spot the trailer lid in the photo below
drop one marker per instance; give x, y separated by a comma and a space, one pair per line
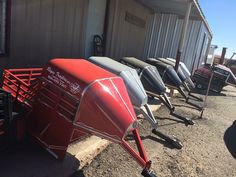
130, 76
80, 69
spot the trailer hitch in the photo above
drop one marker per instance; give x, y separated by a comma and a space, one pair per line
185, 119
173, 141
151, 119
148, 173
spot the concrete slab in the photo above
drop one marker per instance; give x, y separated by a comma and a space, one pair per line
87, 149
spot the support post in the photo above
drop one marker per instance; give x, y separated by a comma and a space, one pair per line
222, 58
183, 35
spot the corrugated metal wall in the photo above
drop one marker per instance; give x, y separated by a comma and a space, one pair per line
202, 47
164, 36
127, 29
44, 29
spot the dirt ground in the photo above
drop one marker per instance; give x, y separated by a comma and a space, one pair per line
209, 146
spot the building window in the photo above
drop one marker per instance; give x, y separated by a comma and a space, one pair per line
3, 26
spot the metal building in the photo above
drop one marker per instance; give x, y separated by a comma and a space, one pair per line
152, 28
43, 29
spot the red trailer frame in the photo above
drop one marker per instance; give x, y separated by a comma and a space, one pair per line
70, 99
21, 83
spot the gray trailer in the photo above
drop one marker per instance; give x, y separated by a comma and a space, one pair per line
153, 84
185, 71
136, 92
184, 75
171, 79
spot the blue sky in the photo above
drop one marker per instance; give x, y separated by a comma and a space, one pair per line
221, 16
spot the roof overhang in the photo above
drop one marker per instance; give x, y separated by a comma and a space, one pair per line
177, 7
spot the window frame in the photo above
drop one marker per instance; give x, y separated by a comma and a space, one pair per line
7, 29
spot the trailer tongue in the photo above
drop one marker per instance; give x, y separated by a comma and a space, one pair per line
72, 99
136, 91
153, 83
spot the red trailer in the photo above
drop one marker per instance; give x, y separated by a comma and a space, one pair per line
71, 99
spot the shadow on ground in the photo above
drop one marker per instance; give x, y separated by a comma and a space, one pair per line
153, 137
230, 139
32, 161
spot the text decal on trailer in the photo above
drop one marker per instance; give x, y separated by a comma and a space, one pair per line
62, 81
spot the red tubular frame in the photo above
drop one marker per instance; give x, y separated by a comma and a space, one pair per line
141, 158
19, 82
23, 85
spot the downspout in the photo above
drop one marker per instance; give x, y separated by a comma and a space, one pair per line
183, 35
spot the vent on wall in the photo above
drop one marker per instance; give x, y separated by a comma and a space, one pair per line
135, 20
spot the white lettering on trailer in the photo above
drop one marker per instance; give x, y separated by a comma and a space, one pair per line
62, 81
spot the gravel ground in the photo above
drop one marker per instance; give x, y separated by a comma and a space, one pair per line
209, 145
209, 148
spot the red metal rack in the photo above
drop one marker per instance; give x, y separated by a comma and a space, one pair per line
21, 83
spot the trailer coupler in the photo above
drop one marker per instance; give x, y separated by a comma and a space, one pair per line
185, 119
148, 173
173, 141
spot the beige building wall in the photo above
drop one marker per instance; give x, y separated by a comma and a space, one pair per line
127, 29
45, 29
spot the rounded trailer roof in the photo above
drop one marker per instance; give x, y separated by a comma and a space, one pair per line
114, 66
136, 62
129, 75
81, 69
